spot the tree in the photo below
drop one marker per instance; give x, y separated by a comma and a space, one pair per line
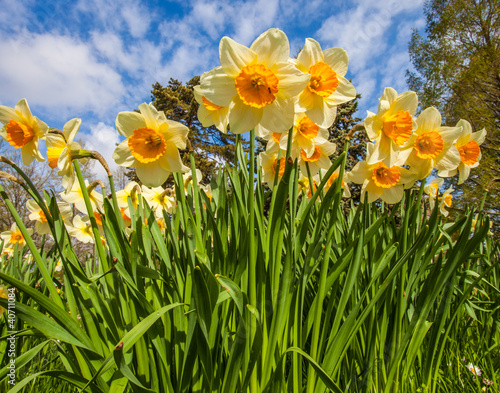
457, 70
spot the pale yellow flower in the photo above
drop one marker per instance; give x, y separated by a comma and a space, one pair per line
187, 179
269, 165
75, 196
380, 181
258, 84
467, 145
81, 229
431, 145
346, 193
23, 130
432, 189
392, 126
327, 87
319, 159
445, 201
132, 191
37, 215
210, 114
14, 236
59, 151
152, 144
159, 200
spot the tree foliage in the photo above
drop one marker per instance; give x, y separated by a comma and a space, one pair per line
457, 70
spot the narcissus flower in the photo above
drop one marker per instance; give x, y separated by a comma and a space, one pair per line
37, 215
23, 130
152, 144
432, 190
327, 87
445, 201
187, 179
209, 113
131, 190
159, 199
81, 229
318, 159
470, 153
431, 145
59, 151
346, 193
269, 164
306, 136
392, 127
257, 83
380, 181
75, 196
14, 236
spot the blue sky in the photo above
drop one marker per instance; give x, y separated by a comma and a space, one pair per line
94, 58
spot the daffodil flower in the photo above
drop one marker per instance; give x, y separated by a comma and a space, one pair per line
187, 179
37, 215
306, 136
379, 180
392, 126
432, 189
152, 144
59, 152
346, 193
269, 165
467, 145
209, 113
131, 190
431, 145
159, 199
257, 83
4, 293
319, 159
81, 229
14, 236
445, 201
23, 130
327, 86
75, 196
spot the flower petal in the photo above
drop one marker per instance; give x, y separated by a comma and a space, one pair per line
338, 59
344, 92
291, 80
428, 120
310, 54
243, 118
123, 156
233, 57
278, 116
406, 101
321, 113
127, 122
176, 133
7, 114
70, 129
218, 88
152, 175
271, 47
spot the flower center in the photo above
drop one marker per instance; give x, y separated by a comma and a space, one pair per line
147, 145
257, 85
16, 237
210, 105
429, 145
98, 218
384, 176
307, 128
277, 136
433, 189
282, 166
447, 200
314, 157
53, 154
41, 214
18, 134
398, 127
332, 178
324, 79
469, 153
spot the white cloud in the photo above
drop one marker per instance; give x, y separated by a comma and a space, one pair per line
102, 138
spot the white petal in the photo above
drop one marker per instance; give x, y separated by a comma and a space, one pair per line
176, 133
392, 195
389, 95
338, 59
171, 161
478, 136
24, 109
234, 56
152, 175
321, 113
448, 161
464, 171
150, 115
291, 80
344, 92
243, 118
218, 88
127, 122
123, 156
428, 120
278, 116
310, 54
271, 47
7, 114
406, 101
71, 128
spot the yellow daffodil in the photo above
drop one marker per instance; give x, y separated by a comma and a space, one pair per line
152, 144
432, 190
75, 196
59, 151
392, 126
209, 113
431, 145
346, 193
4, 293
23, 130
257, 83
269, 165
159, 199
81, 229
306, 136
467, 145
379, 180
272, 138
37, 215
7, 251
318, 159
14, 236
327, 87
445, 201
188, 179
131, 190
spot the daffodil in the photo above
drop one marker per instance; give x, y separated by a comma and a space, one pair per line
209, 113
4, 293
188, 179
37, 215
346, 193
258, 84
318, 159
75, 196
392, 126
131, 190
467, 145
327, 86
152, 144
445, 201
14, 236
432, 189
81, 229
269, 164
23, 130
59, 149
431, 145
159, 199
379, 180
306, 136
